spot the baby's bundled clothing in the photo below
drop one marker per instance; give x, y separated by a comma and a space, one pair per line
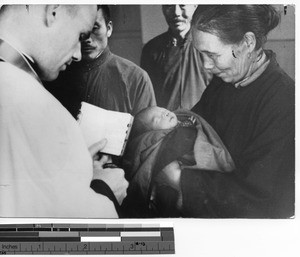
193, 143
189, 122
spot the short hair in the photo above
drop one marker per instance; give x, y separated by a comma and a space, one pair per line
231, 22
106, 12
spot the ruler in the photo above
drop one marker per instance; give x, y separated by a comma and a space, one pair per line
86, 239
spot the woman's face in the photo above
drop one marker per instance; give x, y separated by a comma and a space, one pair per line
218, 57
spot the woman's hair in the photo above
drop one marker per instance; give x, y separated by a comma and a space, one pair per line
231, 22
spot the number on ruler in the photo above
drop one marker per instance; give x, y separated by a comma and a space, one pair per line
140, 243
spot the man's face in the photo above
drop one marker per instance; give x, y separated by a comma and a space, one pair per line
179, 17
98, 40
63, 39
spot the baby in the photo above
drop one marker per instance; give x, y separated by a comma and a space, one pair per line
161, 143
190, 129
156, 118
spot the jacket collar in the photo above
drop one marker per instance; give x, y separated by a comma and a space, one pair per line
173, 41
89, 65
13, 56
270, 63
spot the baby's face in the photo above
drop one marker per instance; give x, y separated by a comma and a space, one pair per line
161, 118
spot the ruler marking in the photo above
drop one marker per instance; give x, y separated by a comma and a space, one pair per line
83, 239
140, 234
99, 233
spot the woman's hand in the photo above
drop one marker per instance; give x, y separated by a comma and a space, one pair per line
170, 176
113, 177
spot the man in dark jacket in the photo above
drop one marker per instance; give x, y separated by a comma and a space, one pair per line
174, 66
103, 78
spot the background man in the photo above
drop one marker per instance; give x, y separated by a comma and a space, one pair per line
174, 66
103, 78
45, 167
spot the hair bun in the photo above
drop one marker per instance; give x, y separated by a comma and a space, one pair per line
272, 17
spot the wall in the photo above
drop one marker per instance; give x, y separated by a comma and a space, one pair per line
282, 40
126, 39
153, 22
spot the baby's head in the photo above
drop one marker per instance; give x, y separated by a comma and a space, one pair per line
154, 118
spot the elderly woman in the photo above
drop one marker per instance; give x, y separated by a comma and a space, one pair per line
250, 104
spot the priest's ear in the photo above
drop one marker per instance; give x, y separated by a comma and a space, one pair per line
51, 14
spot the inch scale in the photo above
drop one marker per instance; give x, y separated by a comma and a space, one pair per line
86, 239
